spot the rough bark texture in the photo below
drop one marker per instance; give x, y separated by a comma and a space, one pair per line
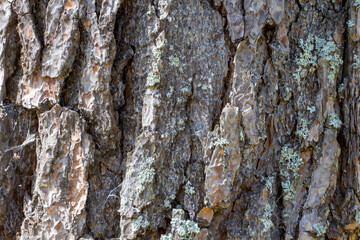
179, 119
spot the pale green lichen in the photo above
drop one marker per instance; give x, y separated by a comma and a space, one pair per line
289, 189
290, 165
303, 130
269, 183
327, 51
307, 58
265, 219
189, 189
219, 142
341, 88
312, 55
167, 203
334, 120
186, 91
185, 229
139, 223
241, 136
174, 61
357, 214
291, 160
350, 23
170, 92
357, 4
262, 138
146, 174
157, 52
202, 86
152, 80
179, 100
327, 212
356, 63
167, 237
181, 121
311, 109
320, 229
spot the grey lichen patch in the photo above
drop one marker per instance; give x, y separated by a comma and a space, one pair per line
152, 79
170, 92
202, 86
327, 51
350, 23
307, 58
269, 183
334, 120
181, 122
158, 51
266, 218
290, 162
303, 130
179, 100
189, 189
314, 51
167, 237
320, 229
185, 229
311, 109
356, 62
167, 203
177, 62
219, 142
341, 88
357, 214
147, 174
140, 223
357, 4
186, 91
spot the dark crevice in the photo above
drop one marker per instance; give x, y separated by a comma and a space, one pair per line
121, 73
345, 136
105, 172
127, 95
297, 15
157, 12
297, 229
98, 7
17, 174
212, 4
38, 11
280, 207
227, 79
70, 89
12, 82
341, 138
12, 50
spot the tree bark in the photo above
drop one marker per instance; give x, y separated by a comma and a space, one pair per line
179, 119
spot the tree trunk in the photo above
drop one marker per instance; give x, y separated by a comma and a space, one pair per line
179, 119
